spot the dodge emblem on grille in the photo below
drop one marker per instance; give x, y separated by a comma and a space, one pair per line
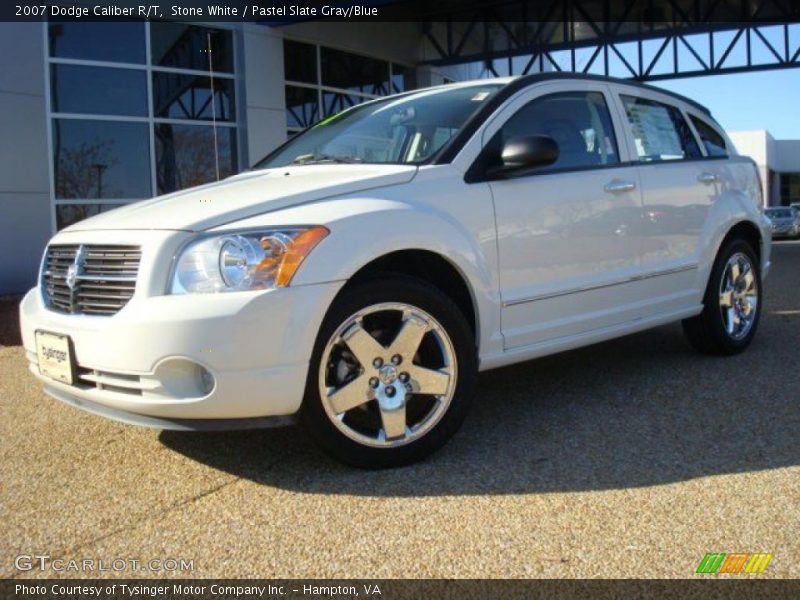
74, 270
72, 276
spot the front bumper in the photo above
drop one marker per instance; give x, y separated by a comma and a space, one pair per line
133, 365
131, 418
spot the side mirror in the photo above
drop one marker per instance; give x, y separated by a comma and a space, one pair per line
522, 153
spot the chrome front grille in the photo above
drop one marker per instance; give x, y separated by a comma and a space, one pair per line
90, 279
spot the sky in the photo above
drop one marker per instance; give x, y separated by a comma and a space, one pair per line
760, 100
763, 100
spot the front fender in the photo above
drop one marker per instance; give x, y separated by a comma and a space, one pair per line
365, 229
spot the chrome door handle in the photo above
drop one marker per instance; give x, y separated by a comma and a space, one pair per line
618, 186
707, 178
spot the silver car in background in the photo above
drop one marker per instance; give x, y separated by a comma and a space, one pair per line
783, 221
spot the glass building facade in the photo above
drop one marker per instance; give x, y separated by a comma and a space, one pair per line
102, 114
322, 81
135, 110
141, 109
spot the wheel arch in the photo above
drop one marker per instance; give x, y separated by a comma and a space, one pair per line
741, 228
431, 267
749, 232
370, 236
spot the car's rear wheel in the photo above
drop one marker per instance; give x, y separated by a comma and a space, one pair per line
732, 303
392, 373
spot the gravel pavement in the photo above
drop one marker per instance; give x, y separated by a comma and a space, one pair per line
632, 458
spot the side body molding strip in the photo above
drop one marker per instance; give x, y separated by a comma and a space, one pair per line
681, 269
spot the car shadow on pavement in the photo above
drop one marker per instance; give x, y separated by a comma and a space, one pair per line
637, 411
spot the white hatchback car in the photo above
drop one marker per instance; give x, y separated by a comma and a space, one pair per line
358, 277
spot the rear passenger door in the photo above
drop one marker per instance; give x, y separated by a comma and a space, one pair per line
678, 189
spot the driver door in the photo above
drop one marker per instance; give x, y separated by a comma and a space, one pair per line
569, 234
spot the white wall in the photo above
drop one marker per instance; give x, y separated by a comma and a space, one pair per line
265, 104
25, 212
759, 145
787, 156
778, 156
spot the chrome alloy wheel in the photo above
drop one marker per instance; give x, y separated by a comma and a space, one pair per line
387, 375
738, 296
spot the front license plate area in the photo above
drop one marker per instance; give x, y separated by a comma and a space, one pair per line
55, 356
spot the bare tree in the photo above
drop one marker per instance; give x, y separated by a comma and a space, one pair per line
80, 170
187, 157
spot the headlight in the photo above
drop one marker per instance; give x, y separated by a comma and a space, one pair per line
244, 261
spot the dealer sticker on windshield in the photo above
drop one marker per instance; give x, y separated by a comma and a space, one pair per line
55, 358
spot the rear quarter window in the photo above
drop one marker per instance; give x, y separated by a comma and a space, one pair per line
713, 142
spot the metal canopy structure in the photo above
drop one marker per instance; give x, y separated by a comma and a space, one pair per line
642, 40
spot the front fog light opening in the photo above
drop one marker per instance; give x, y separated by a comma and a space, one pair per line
207, 382
184, 379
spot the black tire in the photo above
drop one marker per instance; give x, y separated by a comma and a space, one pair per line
354, 298
706, 332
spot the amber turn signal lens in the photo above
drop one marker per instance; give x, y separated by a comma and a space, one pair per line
296, 251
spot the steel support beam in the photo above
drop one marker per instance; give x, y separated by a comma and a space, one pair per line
650, 40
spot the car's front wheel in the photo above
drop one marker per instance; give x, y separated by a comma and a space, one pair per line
392, 373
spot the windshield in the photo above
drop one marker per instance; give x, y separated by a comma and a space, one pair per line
400, 130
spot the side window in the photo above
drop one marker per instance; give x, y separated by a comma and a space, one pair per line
713, 141
659, 131
579, 122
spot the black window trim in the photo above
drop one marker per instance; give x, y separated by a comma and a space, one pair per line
476, 177
449, 151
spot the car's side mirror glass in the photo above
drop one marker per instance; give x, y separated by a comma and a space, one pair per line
521, 154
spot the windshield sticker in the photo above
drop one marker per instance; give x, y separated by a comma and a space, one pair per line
480, 96
329, 119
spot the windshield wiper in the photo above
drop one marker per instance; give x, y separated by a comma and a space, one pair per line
326, 158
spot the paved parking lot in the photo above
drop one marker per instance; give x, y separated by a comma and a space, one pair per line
632, 458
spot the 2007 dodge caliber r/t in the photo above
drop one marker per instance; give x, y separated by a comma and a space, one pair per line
358, 277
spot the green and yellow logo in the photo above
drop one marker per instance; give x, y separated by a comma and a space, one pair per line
738, 562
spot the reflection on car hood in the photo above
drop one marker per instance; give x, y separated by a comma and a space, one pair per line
246, 195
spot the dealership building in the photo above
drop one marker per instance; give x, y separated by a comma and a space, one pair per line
95, 115
778, 164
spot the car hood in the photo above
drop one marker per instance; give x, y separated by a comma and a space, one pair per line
246, 195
